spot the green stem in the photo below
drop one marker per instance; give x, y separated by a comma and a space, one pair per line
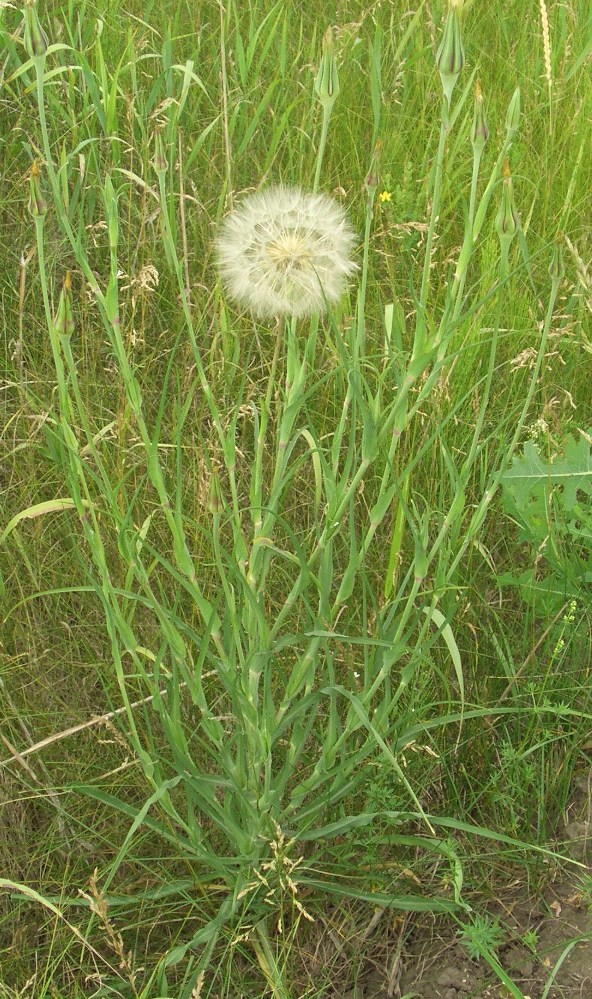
420, 329
327, 109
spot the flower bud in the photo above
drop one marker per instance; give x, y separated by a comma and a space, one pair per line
506, 222
450, 57
215, 502
36, 42
372, 179
479, 131
513, 116
37, 203
64, 321
327, 79
557, 267
159, 162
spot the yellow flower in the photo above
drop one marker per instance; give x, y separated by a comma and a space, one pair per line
385, 196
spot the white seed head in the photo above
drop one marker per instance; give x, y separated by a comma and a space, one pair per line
285, 252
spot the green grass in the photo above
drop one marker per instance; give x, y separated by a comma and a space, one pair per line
269, 603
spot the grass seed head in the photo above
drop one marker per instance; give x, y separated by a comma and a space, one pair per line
284, 252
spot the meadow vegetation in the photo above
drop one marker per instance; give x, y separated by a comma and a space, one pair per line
295, 611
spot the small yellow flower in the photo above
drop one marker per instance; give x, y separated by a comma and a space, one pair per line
385, 196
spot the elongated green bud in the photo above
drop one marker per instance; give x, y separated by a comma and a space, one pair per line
64, 320
557, 267
215, 502
513, 116
35, 39
37, 203
159, 162
479, 131
506, 222
450, 57
373, 176
327, 80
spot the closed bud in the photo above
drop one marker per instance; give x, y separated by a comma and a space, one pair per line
506, 222
450, 57
372, 179
479, 131
64, 321
37, 203
513, 116
160, 162
557, 267
36, 42
215, 504
327, 79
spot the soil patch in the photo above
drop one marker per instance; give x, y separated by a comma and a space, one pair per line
545, 947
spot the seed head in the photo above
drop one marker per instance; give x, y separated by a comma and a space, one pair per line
285, 252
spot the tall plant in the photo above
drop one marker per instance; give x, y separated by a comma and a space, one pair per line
291, 709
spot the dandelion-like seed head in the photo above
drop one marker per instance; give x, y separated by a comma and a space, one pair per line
285, 252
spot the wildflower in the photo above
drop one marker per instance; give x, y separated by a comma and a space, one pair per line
285, 252
385, 196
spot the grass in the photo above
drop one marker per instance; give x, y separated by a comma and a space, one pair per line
250, 575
